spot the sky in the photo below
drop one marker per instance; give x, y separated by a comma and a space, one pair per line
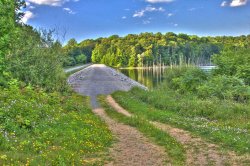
91, 19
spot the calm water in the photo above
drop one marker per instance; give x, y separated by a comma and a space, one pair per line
148, 77
151, 77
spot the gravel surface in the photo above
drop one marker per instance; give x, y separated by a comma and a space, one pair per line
99, 79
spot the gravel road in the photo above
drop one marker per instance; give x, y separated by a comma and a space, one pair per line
99, 79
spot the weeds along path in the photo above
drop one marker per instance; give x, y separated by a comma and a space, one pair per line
199, 152
131, 148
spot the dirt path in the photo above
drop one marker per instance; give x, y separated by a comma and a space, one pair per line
199, 152
131, 148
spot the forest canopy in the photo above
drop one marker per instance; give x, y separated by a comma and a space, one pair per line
149, 49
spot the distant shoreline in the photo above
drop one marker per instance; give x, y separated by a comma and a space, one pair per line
164, 67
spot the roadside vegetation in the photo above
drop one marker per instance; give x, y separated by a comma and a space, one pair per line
42, 122
213, 105
175, 151
50, 128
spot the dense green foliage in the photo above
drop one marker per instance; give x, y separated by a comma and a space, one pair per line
175, 151
195, 81
41, 121
78, 53
234, 63
7, 30
27, 55
49, 128
38, 59
148, 49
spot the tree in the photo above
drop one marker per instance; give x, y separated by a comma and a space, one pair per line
234, 64
81, 58
10, 15
157, 49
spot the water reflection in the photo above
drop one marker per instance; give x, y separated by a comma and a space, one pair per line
150, 77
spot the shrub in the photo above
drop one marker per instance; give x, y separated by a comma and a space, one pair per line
234, 63
224, 87
185, 79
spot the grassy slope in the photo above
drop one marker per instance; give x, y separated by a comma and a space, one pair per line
50, 129
223, 122
174, 149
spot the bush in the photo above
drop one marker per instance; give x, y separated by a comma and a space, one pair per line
224, 87
234, 63
37, 59
185, 79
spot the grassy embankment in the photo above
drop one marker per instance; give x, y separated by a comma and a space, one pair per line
75, 69
50, 129
223, 121
175, 151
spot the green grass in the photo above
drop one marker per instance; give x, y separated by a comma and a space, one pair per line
220, 121
39, 128
174, 149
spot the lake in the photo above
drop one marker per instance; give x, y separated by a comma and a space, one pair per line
148, 76
151, 77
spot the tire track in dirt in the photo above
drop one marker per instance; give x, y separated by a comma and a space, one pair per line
199, 152
131, 147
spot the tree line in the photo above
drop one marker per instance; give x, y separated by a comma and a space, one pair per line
149, 49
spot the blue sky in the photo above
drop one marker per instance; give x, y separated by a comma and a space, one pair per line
82, 19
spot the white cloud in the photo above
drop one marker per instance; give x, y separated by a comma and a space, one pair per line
152, 9
236, 3
170, 14
173, 24
139, 14
47, 2
148, 9
29, 6
27, 16
50, 2
192, 9
223, 4
146, 22
69, 10
159, 1
124, 17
